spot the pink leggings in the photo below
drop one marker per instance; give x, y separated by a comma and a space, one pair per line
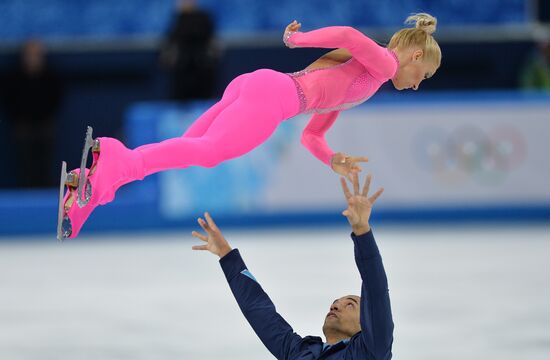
252, 107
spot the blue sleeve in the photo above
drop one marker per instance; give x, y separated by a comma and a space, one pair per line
376, 317
275, 333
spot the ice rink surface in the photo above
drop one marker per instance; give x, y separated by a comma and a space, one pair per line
457, 293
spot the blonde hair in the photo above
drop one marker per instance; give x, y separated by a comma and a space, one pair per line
420, 36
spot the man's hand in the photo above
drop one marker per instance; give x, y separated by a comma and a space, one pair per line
345, 165
215, 242
359, 205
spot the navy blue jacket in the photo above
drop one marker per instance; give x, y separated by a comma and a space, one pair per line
375, 339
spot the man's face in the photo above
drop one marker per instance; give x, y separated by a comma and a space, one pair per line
33, 56
343, 316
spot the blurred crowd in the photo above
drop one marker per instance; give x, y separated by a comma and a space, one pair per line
32, 91
189, 54
32, 95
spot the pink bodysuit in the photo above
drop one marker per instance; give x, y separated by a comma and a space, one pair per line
251, 108
327, 91
254, 104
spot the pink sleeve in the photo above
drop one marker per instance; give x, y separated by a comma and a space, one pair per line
377, 59
313, 137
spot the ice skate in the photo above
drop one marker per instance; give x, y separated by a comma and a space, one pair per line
83, 189
64, 213
113, 166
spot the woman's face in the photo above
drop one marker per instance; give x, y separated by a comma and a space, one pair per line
412, 70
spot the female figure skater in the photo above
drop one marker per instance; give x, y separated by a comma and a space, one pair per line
252, 107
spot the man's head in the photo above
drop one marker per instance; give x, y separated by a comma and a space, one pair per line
186, 5
342, 321
33, 56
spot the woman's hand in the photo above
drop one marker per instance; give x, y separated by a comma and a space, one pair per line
293, 26
215, 242
290, 29
345, 165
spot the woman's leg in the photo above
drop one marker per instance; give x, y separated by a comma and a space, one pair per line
237, 129
263, 99
203, 122
231, 93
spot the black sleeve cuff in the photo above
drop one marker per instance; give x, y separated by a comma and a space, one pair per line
232, 264
365, 245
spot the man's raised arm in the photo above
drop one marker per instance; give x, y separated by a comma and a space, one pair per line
275, 333
376, 317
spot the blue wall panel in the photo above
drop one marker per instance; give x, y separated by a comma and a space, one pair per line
138, 205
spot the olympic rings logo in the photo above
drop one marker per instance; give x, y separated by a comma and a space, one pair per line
469, 152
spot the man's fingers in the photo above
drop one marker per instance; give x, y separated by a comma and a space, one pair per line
345, 188
199, 236
373, 198
199, 247
355, 183
366, 187
211, 222
203, 224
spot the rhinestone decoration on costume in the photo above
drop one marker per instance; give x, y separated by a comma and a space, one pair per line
359, 83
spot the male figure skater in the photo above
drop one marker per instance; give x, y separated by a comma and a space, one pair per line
355, 327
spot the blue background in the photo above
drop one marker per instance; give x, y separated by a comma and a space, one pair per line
107, 18
101, 85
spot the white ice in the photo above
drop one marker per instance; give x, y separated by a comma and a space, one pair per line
457, 293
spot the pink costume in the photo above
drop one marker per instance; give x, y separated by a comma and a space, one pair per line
252, 107
327, 91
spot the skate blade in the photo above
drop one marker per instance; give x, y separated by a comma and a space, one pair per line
64, 229
83, 197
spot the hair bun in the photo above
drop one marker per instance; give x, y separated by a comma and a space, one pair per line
423, 21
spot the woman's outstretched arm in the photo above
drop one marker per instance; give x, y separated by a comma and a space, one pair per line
377, 59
